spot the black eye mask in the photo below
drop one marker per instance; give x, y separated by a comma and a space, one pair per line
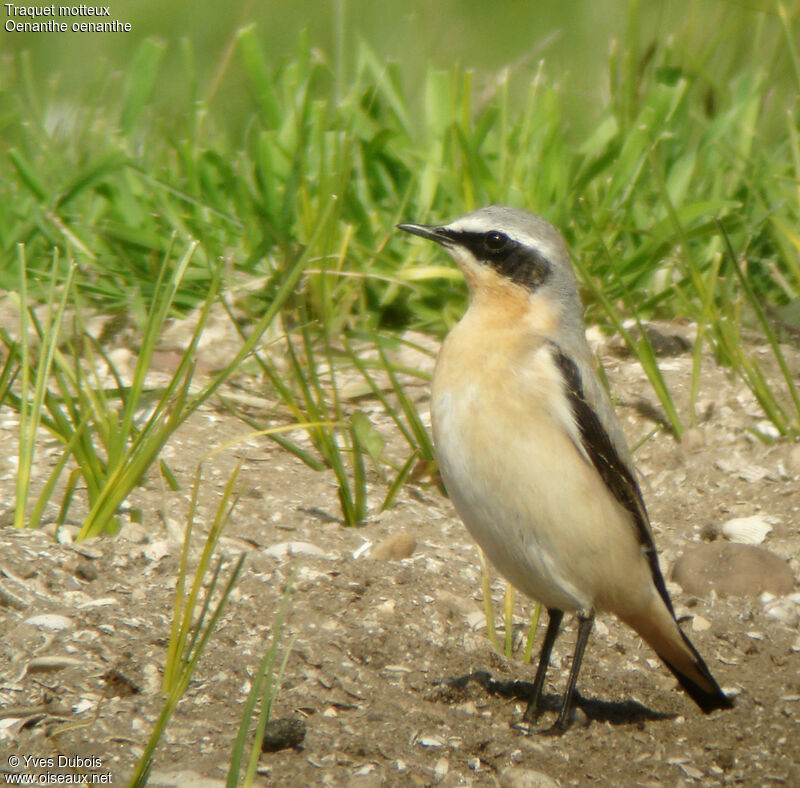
521, 264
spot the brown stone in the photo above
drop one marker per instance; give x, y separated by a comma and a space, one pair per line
732, 570
399, 545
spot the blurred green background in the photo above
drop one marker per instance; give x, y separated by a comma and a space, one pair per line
575, 38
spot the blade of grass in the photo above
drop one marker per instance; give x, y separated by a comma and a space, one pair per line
766, 327
31, 409
190, 637
259, 690
263, 686
399, 480
359, 474
641, 348
424, 442
537, 612
144, 766
508, 619
139, 82
488, 607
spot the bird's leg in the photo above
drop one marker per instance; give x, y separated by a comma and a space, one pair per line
534, 704
585, 623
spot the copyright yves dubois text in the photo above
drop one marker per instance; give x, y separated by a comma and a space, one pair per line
56, 770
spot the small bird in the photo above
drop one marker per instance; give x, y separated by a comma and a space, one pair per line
532, 455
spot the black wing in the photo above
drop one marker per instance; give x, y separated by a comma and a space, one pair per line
612, 469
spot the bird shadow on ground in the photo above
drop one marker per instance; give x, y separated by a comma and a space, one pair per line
628, 712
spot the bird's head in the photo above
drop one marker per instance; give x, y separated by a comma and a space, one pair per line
512, 259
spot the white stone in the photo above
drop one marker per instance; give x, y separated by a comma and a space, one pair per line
50, 621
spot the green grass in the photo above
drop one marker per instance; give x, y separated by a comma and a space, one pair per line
679, 197
196, 614
195, 617
680, 202
680, 170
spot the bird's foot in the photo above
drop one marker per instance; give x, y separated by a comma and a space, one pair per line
530, 729
527, 725
558, 728
532, 714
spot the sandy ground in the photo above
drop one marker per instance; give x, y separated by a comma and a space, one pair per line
374, 640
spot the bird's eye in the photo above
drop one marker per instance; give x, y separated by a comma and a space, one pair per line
495, 241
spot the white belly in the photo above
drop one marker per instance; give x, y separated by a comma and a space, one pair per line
529, 498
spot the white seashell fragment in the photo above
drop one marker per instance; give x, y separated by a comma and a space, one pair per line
51, 663
600, 628
103, 602
358, 552
289, 549
767, 428
84, 704
754, 473
157, 550
476, 620
746, 530
784, 609
749, 472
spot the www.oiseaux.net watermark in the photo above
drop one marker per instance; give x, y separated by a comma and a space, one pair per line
55, 770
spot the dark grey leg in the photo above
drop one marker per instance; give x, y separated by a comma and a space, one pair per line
584, 630
534, 705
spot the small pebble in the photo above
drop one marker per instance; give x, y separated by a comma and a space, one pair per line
794, 461
693, 439
394, 547
66, 534
86, 570
181, 778
134, 533
520, 777
700, 624
119, 685
578, 718
50, 621
283, 733
364, 781
709, 532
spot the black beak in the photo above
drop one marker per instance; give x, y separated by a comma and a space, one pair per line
438, 234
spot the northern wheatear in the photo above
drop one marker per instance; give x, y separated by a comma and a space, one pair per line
532, 455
